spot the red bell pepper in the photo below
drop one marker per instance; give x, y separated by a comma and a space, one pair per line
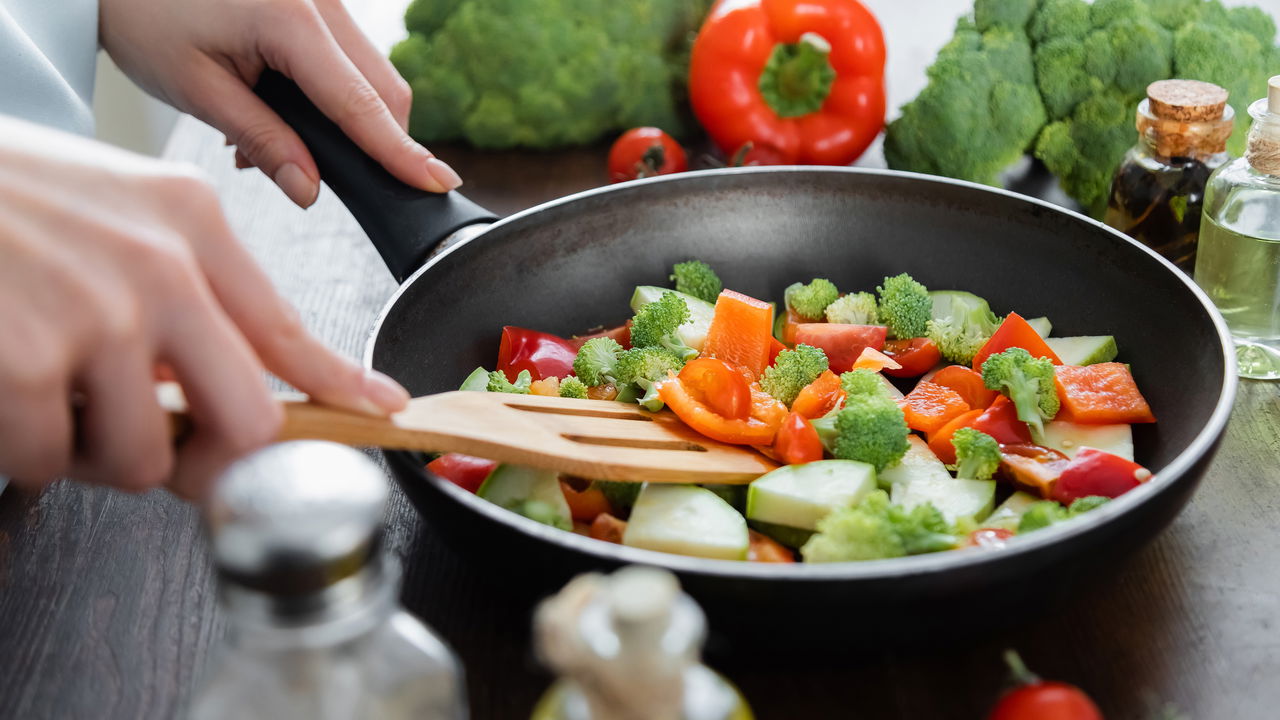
1094, 472
542, 354
797, 442
1101, 394
465, 471
1014, 332
842, 343
915, 357
620, 335
801, 78
1032, 467
1000, 421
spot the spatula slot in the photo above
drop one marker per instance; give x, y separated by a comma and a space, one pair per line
579, 412
637, 443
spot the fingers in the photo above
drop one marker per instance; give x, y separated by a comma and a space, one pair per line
308, 53
36, 432
376, 68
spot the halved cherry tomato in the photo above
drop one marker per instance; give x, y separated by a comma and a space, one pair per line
819, 397
1015, 332
966, 382
989, 537
763, 548
1094, 472
689, 407
841, 342
916, 356
1032, 467
940, 441
741, 332
465, 471
875, 361
620, 335
928, 407
585, 505
542, 354
1101, 394
720, 387
645, 152
1000, 421
797, 442
607, 528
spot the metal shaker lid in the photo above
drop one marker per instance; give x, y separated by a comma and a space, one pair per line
297, 517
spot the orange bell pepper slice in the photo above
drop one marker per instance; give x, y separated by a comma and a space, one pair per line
762, 548
741, 332
587, 505
966, 382
875, 361
688, 401
940, 441
1101, 394
929, 406
1015, 332
820, 396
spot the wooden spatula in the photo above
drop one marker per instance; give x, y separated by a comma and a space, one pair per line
595, 439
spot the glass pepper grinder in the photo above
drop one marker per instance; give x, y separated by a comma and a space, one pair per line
1158, 190
1239, 262
627, 647
315, 629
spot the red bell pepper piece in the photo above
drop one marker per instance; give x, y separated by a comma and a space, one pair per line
797, 442
1032, 467
820, 396
465, 471
1094, 472
842, 343
1000, 421
803, 79
741, 332
915, 357
1015, 332
1101, 394
544, 355
620, 335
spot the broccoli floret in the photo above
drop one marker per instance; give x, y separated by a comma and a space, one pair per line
1028, 381
656, 323
977, 454
864, 382
956, 340
696, 278
869, 428
811, 301
498, 382
1012, 14
792, 371
572, 387
854, 309
638, 371
596, 359
620, 494
1040, 515
1060, 19
905, 306
875, 529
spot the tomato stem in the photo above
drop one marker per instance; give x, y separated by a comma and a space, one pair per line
1018, 669
797, 78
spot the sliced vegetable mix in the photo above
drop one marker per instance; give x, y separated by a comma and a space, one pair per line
1009, 442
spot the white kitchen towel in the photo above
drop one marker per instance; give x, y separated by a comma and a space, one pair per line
48, 51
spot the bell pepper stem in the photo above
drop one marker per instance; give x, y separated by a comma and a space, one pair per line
797, 78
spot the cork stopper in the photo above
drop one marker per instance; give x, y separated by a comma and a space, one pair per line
1185, 118
1264, 138
1273, 94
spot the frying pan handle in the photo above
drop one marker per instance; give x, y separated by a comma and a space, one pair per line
404, 223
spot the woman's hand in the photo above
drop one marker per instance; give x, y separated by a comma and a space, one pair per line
205, 56
112, 267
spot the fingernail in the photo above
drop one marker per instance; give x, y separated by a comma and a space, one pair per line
443, 174
301, 189
384, 394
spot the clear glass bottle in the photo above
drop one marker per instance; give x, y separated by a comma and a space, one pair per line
1239, 262
315, 629
627, 647
1158, 190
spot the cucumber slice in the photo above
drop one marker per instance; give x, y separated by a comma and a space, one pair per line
918, 464
1009, 513
477, 381
693, 332
531, 492
957, 304
959, 500
1042, 326
798, 496
1084, 349
1068, 438
686, 520
794, 538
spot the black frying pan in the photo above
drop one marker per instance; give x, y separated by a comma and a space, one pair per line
571, 264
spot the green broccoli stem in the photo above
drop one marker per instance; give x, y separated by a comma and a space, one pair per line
797, 78
1025, 394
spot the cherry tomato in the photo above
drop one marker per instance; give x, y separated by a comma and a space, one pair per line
544, 355
645, 152
1036, 699
917, 356
797, 442
465, 471
723, 388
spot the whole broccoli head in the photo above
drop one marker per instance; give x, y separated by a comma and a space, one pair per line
875, 529
544, 73
864, 382
977, 454
572, 387
596, 359
869, 428
1028, 381
792, 371
498, 382
696, 278
811, 301
638, 371
656, 323
905, 306
854, 309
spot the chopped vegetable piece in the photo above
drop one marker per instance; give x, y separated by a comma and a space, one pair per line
843, 344
940, 441
810, 301
620, 335
696, 278
1101, 394
990, 538
719, 386
548, 387
1001, 422
465, 471
875, 361
1015, 332
698, 415
977, 454
864, 382
905, 306
820, 396
854, 309
1044, 513
639, 368
765, 549
542, 354
967, 383
608, 528
498, 383
797, 442
620, 494
869, 428
657, 325
1032, 467
792, 371
928, 407
1095, 473
596, 359
585, 505
914, 357
740, 332
477, 381
874, 529
775, 347
572, 387
1029, 382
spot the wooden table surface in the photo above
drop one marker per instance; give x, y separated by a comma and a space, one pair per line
107, 603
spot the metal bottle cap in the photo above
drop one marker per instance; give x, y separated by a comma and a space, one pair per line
296, 518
